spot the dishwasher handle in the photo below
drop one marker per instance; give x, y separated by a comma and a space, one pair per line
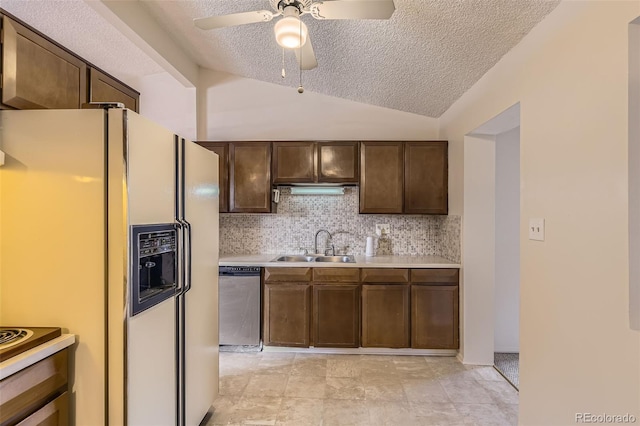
239, 271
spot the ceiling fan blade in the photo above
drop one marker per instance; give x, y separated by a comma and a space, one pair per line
360, 9
306, 54
222, 21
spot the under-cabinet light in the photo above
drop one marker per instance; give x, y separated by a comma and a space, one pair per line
317, 190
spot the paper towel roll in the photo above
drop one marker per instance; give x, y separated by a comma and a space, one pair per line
369, 247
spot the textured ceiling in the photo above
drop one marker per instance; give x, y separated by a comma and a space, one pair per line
420, 61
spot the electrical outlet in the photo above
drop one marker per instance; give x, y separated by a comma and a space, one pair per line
536, 229
383, 228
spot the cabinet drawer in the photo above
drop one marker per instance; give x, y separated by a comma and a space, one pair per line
28, 389
433, 276
385, 275
342, 275
287, 275
54, 413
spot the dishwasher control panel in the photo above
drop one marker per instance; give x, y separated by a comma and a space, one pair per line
239, 270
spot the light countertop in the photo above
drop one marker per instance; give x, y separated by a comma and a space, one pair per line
35, 354
267, 260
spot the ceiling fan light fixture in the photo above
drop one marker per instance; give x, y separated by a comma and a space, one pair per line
291, 32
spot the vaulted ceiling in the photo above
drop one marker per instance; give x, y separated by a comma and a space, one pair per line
420, 61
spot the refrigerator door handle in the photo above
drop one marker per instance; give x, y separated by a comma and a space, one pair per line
187, 226
180, 275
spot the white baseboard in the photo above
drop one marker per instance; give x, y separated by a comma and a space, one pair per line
364, 351
508, 350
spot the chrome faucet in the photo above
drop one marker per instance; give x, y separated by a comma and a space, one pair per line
315, 243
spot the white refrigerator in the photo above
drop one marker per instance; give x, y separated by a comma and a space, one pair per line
76, 188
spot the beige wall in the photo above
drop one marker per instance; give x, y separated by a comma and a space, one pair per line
168, 102
507, 253
236, 108
569, 74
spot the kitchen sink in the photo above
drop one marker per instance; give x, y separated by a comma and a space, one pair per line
312, 258
295, 258
336, 259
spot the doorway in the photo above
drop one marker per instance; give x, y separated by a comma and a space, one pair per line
492, 244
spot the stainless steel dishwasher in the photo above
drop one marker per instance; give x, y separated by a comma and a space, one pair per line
239, 308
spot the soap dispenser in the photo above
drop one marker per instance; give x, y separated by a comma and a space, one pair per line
384, 244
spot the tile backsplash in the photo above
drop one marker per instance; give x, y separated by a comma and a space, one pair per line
298, 218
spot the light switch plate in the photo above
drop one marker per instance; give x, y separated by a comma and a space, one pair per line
380, 227
536, 229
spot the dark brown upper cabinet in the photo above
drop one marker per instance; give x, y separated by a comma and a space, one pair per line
38, 74
103, 88
315, 162
381, 177
404, 177
222, 149
250, 177
294, 162
337, 162
426, 177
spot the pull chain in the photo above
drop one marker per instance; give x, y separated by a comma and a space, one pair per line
284, 74
300, 88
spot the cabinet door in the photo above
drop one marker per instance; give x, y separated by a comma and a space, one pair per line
434, 316
381, 175
250, 177
55, 413
286, 314
336, 315
222, 149
338, 162
385, 316
37, 74
103, 88
294, 162
426, 177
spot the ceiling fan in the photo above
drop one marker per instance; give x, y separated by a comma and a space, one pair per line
290, 31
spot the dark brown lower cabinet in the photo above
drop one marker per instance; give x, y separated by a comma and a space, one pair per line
369, 307
286, 314
37, 395
434, 308
385, 315
336, 315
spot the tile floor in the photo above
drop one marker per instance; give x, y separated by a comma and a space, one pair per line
271, 388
